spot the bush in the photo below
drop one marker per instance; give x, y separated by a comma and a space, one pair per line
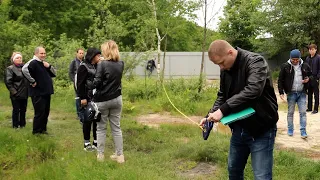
182, 92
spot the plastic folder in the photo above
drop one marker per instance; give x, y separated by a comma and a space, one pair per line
237, 116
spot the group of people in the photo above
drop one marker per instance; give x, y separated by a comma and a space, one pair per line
245, 81
97, 80
32, 79
299, 79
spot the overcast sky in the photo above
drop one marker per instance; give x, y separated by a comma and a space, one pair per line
215, 10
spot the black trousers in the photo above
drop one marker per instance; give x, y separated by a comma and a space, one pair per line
87, 129
313, 89
19, 108
41, 105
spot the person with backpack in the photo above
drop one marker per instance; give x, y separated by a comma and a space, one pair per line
84, 88
73, 68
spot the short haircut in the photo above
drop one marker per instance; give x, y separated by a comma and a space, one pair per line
110, 51
79, 49
219, 48
313, 46
37, 49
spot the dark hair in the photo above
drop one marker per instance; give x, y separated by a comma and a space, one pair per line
313, 46
91, 53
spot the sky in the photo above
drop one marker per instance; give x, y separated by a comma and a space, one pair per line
214, 11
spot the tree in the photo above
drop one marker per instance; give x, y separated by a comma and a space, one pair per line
204, 40
237, 25
164, 18
68, 16
292, 24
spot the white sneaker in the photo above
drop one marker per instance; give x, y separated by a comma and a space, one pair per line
88, 147
100, 157
119, 159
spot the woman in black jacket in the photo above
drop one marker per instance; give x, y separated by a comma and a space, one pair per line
109, 100
84, 86
17, 84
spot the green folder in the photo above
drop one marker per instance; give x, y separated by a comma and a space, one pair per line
237, 116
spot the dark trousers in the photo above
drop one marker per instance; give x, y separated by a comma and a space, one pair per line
313, 89
86, 128
19, 108
78, 106
41, 105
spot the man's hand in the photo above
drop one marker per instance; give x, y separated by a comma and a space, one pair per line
202, 121
282, 97
46, 64
83, 102
34, 84
215, 116
306, 80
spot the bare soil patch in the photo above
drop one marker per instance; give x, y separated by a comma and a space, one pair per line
310, 147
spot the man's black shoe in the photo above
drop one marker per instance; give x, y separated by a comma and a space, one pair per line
309, 110
45, 132
314, 112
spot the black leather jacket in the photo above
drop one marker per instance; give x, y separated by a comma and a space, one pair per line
286, 77
108, 80
16, 83
84, 81
254, 89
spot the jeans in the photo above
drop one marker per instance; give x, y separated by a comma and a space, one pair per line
261, 149
300, 99
110, 112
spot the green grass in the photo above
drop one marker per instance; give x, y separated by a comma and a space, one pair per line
150, 153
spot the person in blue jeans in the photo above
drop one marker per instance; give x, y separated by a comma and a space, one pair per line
245, 81
293, 80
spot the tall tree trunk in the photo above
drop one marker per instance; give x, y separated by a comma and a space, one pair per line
203, 46
164, 59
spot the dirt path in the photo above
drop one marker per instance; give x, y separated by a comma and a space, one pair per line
311, 145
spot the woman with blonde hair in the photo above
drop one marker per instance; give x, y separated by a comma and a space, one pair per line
109, 99
17, 85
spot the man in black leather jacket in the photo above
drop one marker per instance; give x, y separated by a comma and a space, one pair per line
245, 82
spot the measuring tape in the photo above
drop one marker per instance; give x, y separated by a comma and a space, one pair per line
165, 91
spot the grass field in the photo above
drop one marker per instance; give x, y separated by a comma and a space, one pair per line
169, 152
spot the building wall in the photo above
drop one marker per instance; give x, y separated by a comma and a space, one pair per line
183, 64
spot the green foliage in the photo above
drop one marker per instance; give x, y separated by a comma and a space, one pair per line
133, 60
62, 53
151, 153
182, 92
237, 25
275, 75
291, 28
54, 24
